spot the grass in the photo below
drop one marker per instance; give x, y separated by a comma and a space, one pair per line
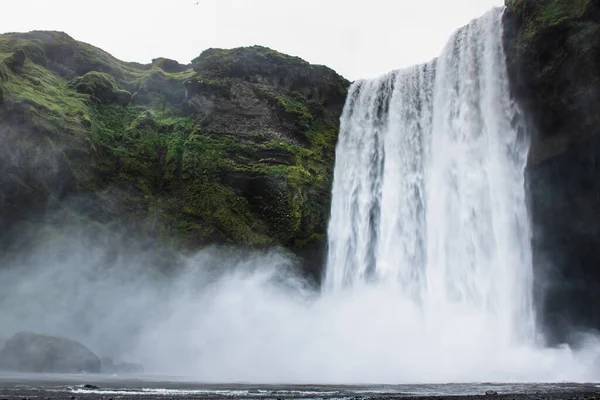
46, 100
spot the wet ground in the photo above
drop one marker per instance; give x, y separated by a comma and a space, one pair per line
97, 387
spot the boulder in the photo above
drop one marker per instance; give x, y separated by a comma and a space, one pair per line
31, 352
16, 60
101, 87
90, 386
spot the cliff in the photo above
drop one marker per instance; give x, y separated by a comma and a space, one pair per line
553, 51
237, 147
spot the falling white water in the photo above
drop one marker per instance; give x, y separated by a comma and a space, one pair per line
428, 192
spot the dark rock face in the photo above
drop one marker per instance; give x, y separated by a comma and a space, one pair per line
282, 114
553, 51
30, 352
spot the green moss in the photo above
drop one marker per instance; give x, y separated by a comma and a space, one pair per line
4, 71
540, 14
80, 58
46, 100
558, 10
101, 87
177, 173
291, 198
220, 207
293, 105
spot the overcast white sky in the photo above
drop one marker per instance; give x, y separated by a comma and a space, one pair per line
359, 39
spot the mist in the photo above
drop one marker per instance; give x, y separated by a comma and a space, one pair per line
230, 315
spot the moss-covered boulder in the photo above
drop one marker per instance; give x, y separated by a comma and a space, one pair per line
553, 50
101, 87
15, 61
238, 149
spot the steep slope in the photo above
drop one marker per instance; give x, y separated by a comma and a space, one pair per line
553, 50
235, 148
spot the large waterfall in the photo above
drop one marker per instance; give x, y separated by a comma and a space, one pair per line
428, 192
429, 276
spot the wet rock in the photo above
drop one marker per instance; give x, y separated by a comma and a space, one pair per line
491, 393
89, 386
30, 352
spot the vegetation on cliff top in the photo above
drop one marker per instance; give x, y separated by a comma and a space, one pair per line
540, 14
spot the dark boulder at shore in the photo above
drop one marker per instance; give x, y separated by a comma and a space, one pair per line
553, 54
31, 352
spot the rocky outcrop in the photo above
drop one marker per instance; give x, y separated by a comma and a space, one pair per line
235, 148
553, 51
274, 118
30, 352
101, 88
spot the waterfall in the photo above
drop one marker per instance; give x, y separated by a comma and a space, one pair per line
428, 193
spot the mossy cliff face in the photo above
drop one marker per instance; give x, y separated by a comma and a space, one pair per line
236, 148
553, 50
